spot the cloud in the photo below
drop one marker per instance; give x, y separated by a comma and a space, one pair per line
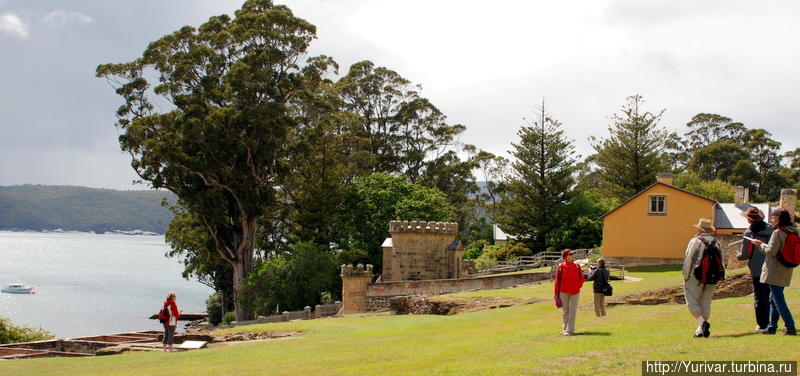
60, 18
13, 24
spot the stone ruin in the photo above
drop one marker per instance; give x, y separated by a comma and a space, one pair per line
421, 251
420, 258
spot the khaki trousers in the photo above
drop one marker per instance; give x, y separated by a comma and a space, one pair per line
599, 304
569, 310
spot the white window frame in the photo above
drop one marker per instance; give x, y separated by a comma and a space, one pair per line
653, 203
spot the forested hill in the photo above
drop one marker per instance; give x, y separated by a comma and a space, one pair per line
52, 207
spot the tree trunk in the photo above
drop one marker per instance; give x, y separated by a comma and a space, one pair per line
243, 267
239, 276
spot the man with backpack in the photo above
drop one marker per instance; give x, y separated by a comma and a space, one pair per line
781, 253
702, 269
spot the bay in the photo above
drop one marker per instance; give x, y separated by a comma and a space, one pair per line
88, 284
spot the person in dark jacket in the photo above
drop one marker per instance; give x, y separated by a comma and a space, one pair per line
762, 231
775, 274
601, 278
169, 326
568, 283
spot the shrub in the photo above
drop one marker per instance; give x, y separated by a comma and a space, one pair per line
293, 281
214, 309
475, 249
502, 252
228, 318
10, 333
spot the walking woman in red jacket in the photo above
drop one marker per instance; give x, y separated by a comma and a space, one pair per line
169, 326
568, 283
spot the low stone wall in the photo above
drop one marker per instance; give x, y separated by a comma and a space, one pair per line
320, 311
378, 295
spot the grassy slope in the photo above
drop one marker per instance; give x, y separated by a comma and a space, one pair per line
518, 340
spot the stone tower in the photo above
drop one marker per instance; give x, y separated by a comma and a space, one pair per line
354, 287
420, 251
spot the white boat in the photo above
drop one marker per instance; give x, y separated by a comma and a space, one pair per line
17, 288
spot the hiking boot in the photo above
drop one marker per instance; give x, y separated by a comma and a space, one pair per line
706, 327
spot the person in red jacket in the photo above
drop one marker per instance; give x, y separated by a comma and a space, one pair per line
169, 326
568, 283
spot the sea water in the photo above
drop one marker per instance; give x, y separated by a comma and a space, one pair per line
87, 284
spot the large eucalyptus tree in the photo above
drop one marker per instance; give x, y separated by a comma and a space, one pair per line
206, 115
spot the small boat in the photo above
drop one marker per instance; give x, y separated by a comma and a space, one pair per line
17, 288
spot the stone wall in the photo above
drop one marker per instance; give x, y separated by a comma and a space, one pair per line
377, 296
421, 251
728, 251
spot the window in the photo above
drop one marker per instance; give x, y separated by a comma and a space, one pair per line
658, 205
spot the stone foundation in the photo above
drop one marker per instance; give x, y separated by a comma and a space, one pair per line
728, 252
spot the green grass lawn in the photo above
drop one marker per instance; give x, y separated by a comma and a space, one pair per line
521, 340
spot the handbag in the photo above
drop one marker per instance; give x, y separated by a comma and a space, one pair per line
608, 290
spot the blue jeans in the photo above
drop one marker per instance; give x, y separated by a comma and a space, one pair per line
778, 307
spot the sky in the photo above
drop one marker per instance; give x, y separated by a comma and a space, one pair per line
486, 65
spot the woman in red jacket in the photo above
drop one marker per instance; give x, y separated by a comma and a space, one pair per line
169, 326
568, 283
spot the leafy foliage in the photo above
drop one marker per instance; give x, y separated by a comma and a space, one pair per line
47, 207
716, 189
580, 225
10, 333
218, 148
501, 252
378, 198
294, 280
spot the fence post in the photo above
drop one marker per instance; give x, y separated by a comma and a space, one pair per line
307, 311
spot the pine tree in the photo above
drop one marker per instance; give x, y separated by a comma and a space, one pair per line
541, 181
629, 159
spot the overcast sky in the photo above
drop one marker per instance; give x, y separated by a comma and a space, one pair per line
484, 64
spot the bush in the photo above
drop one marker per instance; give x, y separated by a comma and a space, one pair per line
293, 281
502, 252
10, 333
228, 318
475, 249
214, 309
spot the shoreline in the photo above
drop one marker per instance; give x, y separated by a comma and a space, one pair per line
62, 231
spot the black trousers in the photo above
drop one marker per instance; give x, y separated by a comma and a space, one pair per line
761, 303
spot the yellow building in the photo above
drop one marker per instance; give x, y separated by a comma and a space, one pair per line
654, 226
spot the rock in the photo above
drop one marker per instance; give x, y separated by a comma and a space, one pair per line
114, 350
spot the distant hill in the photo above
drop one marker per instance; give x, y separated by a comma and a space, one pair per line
70, 208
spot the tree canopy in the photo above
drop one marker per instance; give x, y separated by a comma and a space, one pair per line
540, 183
629, 159
218, 144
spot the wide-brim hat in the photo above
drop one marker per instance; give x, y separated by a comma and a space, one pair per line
704, 224
753, 214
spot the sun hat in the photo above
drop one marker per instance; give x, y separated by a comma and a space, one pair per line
753, 214
704, 224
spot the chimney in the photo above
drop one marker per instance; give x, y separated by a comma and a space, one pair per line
789, 201
664, 178
741, 195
